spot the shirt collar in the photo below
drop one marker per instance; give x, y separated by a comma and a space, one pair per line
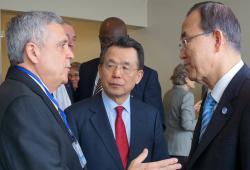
221, 85
112, 104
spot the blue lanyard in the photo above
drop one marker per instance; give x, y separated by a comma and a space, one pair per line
52, 99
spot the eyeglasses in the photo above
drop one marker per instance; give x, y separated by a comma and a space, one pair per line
184, 41
125, 69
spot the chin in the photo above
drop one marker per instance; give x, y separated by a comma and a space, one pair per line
114, 93
192, 78
65, 81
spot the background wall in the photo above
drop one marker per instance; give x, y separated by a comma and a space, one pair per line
89, 12
162, 20
160, 38
87, 43
134, 12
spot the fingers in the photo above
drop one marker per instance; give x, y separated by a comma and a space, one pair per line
173, 166
167, 164
163, 163
141, 157
198, 103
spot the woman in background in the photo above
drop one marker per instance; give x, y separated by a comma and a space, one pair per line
180, 119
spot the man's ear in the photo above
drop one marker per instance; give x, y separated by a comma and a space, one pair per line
32, 52
139, 76
219, 39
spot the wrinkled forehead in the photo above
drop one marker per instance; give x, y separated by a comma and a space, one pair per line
55, 31
121, 54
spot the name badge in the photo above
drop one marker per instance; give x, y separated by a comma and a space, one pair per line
79, 153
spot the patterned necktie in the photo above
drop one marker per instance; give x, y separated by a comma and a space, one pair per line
207, 113
121, 136
98, 87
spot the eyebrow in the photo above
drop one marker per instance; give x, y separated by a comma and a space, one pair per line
62, 42
124, 63
183, 34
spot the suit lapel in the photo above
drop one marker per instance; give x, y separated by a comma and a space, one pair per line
92, 76
136, 126
101, 123
18, 75
222, 114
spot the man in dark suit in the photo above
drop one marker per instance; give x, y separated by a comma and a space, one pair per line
148, 90
210, 50
34, 135
106, 143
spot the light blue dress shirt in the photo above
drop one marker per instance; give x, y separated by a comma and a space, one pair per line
110, 106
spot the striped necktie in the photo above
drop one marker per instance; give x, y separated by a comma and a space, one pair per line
98, 87
207, 113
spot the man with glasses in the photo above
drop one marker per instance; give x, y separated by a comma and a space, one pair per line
210, 49
113, 127
148, 90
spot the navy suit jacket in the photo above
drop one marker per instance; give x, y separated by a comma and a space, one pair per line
89, 122
32, 134
148, 90
226, 143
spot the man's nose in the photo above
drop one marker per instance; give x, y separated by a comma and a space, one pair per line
70, 53
182, 53
117, 71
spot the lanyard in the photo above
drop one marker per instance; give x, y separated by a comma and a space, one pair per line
52, 99
75, 143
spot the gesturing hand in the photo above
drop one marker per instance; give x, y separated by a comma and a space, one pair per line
166, 164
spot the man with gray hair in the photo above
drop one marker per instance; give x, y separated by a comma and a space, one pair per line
210, 49
34, 134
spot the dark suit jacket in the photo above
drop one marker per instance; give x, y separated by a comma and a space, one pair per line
148, 90
89, 122
70, 91
226, 143
32, 134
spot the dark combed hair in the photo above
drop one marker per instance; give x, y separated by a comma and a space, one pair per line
215, 15
126, 42
179, 75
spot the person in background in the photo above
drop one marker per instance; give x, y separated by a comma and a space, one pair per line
148, 90
34, 133
113, 127
211, 52
64, 93
179, 115
72, 85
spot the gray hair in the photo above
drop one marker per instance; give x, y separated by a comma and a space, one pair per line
27, 27
179, 75
215, 15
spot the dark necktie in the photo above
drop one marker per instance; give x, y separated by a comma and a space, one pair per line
98, 87
121, 136
207, 113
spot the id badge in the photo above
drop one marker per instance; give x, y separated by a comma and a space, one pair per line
79, 153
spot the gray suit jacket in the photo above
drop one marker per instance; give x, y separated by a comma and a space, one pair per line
180, 120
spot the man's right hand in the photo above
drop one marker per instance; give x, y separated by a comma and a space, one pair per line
166, 164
